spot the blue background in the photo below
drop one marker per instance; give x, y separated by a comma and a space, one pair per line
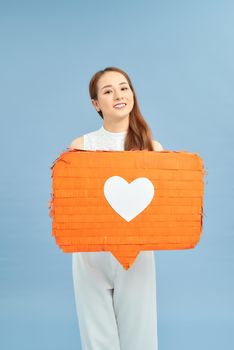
179, 55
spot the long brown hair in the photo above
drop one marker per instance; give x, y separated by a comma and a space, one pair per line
139, 135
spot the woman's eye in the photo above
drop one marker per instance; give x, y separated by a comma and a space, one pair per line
124, 88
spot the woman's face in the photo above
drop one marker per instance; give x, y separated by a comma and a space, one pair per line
113, 89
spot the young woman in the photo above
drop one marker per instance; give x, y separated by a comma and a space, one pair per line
116, 308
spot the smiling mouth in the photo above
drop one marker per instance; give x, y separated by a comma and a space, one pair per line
120, 106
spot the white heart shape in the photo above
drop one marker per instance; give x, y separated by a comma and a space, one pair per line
128, 199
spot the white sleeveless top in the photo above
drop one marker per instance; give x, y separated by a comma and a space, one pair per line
103, 139
101, 267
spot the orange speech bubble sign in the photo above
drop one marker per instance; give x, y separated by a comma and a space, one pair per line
127, 201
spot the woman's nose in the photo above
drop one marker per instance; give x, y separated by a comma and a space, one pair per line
118, 95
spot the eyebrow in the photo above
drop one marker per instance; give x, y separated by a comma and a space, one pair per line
124, 82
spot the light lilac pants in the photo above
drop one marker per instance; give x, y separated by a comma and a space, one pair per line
116, 308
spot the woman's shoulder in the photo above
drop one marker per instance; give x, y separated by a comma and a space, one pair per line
157, 146
78, 142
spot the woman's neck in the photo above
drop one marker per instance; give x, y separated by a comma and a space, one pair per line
116, 127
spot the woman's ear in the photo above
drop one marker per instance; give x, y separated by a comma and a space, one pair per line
95, 104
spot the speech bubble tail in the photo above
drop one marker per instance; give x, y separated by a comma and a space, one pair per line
124, 259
